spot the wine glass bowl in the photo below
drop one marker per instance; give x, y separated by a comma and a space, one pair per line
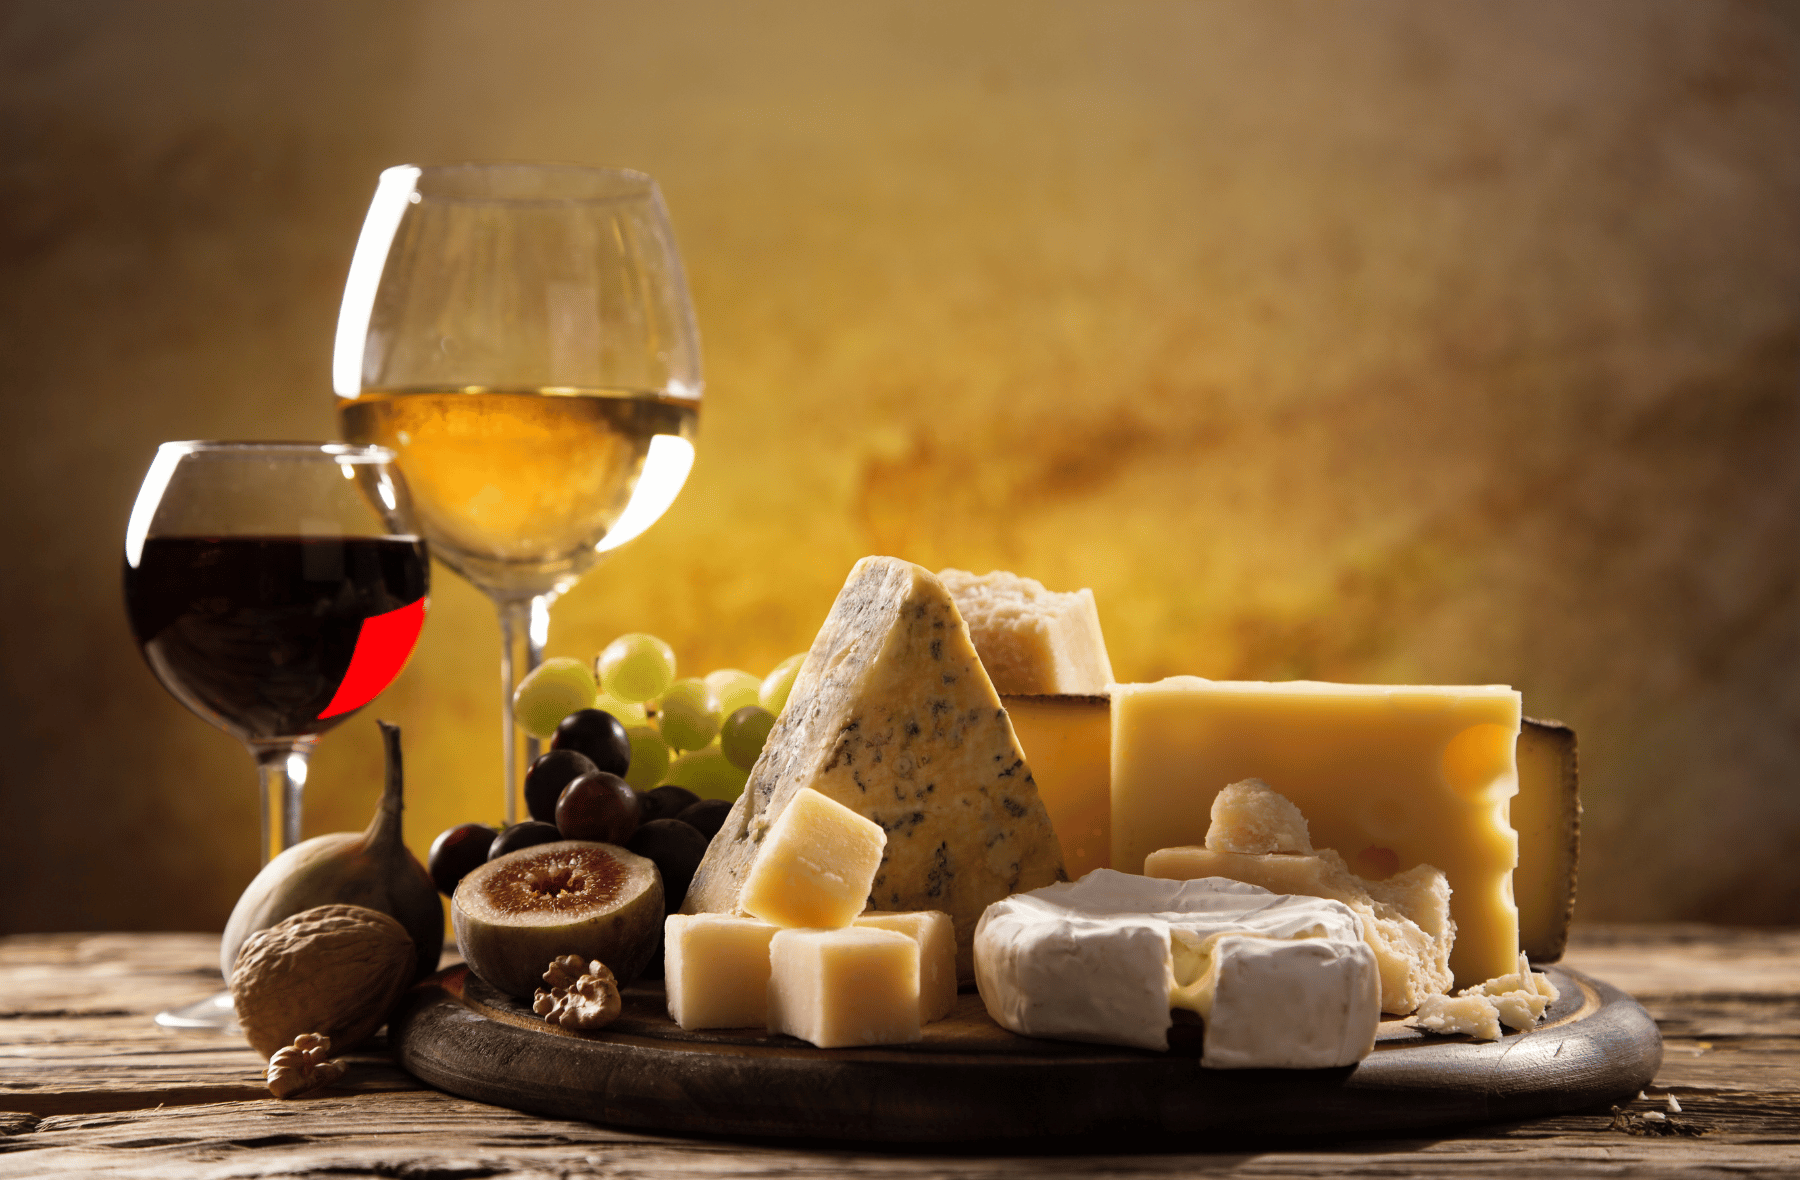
521, 337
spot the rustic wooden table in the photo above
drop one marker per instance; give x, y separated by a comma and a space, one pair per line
89, 1086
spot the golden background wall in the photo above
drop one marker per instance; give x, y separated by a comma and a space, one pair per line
1445, 342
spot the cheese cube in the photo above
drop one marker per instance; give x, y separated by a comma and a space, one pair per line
1068, 742
1030, 639
893, 716
716, 970
815, 865
855, 986
1390, 777
937, 955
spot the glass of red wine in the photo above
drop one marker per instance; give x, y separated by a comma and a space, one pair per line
274, 589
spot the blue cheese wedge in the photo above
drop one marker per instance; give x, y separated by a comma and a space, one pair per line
1279, 981
893, 716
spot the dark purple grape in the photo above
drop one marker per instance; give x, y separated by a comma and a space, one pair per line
548, 775
706, 816
597, 734
456, 851
598, 806
667, 802
676, 848
523, 835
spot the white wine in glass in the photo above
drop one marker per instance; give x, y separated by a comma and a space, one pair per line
521, 337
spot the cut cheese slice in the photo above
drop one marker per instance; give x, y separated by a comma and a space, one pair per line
1032, 639
892, 716
1068, 742
1391, 777
1106, 958
1547, 816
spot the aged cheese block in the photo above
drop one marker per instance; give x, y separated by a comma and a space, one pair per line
1068, 742
1032, 640
1106, 958
815, 866
1391, 777
716, 970
893, 716
853, 986
936, 937
1547, 816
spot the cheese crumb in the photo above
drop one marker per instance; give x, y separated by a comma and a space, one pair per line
1249, 817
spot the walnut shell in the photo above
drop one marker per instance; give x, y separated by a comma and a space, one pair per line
335, 970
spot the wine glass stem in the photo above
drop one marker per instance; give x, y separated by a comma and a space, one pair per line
527, 620
282, 768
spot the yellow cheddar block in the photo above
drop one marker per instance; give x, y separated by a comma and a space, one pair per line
855, 986
716, 970
815, 865
936, 936
1391, 777
1068, 742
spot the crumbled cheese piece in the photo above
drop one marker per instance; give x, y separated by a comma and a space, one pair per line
1517, 1001
1249, 817
1032, 640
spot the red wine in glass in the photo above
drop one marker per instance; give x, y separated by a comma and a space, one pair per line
271, 637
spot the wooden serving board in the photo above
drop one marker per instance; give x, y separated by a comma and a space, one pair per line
969, 1080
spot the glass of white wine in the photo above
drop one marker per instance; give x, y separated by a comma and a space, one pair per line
521, 337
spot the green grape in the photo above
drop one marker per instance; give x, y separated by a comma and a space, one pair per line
685, 716
649, 757
707, 774
629, 713
743, 734
636, 667
553, 690
776, 685
729, 690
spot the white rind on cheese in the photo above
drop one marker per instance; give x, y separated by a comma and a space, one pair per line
1095, 961
1031, 639
1268, 1010
892, 716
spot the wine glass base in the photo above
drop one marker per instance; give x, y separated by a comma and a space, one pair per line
213, 1014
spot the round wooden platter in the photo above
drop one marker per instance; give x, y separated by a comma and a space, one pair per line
969, 1080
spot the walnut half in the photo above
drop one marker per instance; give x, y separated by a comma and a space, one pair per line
581, 996
304, 1065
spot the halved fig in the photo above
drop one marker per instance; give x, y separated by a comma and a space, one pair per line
514, 914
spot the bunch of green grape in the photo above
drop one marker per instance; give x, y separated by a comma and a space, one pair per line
703, 733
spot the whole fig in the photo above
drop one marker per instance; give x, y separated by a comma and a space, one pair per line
372, 868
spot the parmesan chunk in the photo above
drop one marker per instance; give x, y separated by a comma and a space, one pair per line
1032, 640
1249, 817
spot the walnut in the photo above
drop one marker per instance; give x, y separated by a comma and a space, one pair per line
304, 1065
580, 996
335, 970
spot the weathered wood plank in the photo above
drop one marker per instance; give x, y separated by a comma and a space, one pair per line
77, 1047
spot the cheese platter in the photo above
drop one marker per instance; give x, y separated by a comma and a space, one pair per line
969, 1080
